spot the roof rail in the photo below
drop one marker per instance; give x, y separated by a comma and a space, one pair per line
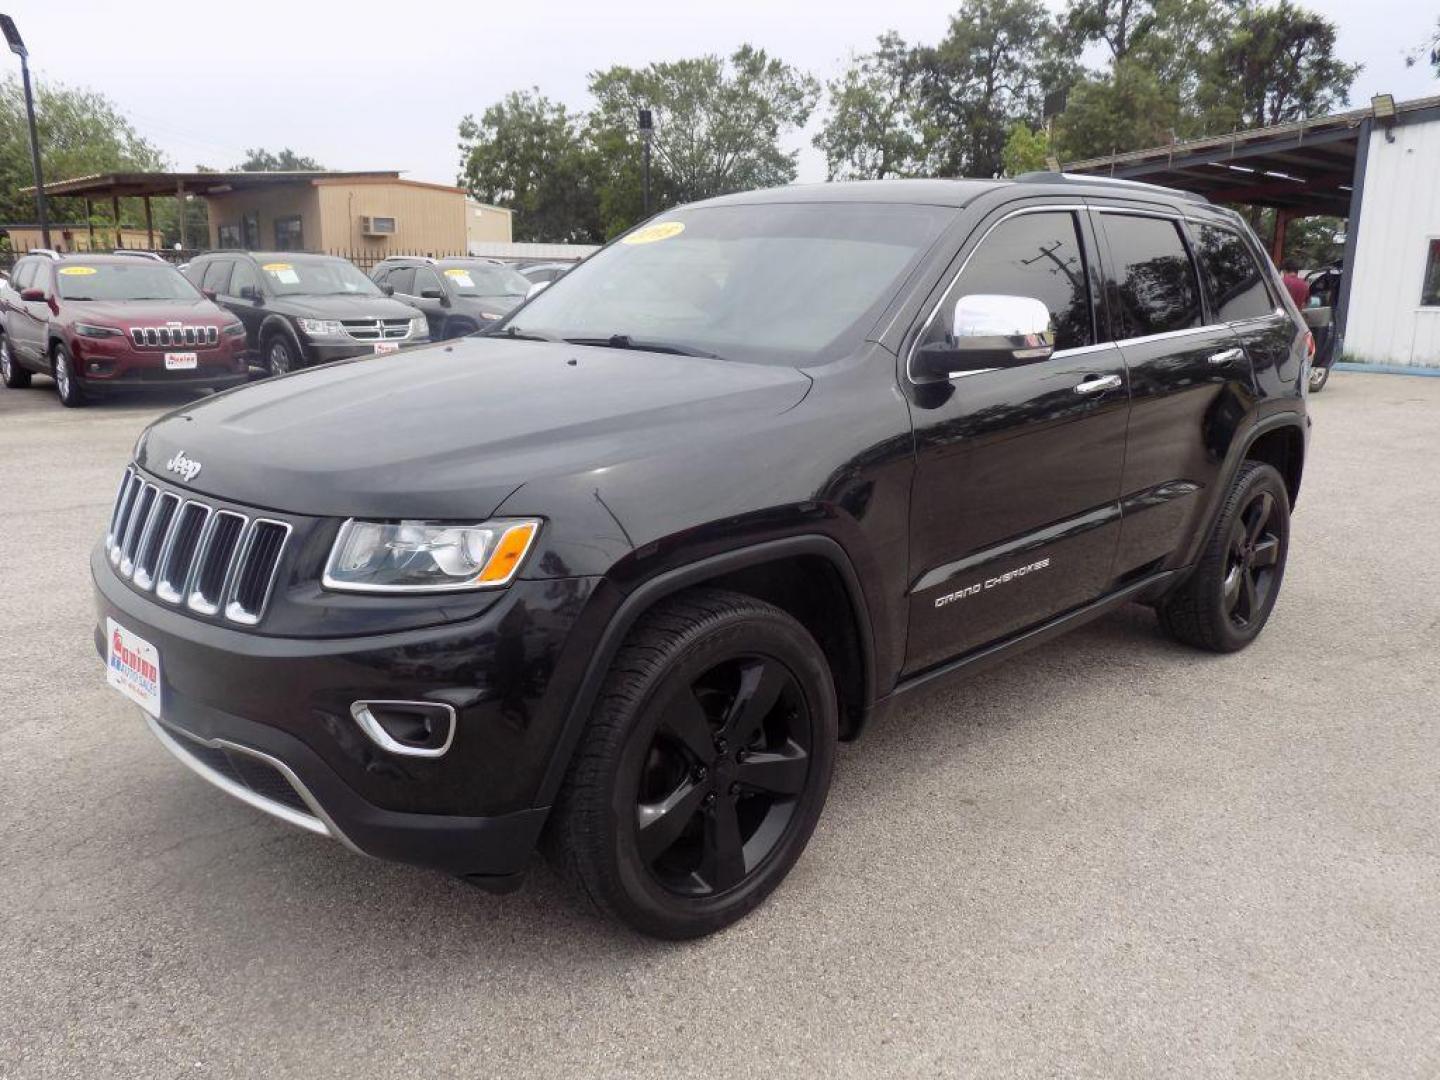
136, 253
50, 252
1043, 177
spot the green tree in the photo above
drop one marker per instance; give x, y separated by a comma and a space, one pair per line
531, 154
718, 121
1313, 242
287, 160
873, 129
1427, 51
81, 132
984, 75
1025, 150
1277, 64
1126, 108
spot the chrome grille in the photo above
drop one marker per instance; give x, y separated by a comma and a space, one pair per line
165, 337
214, 561
377, 329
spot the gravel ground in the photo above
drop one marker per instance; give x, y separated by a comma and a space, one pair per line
1113, 857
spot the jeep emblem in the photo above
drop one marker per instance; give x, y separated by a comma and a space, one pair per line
185, 468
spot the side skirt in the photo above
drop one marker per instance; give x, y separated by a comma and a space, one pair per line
985, 657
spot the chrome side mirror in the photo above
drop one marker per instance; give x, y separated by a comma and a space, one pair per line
988, 331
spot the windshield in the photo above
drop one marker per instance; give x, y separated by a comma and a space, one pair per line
484, 280
316, 277
780, 283
131, 281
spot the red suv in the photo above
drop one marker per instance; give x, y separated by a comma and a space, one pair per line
97, 323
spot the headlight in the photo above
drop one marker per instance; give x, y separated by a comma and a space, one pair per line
321, 327
93, 331
234, 329
418, 326
422, 556
490, 315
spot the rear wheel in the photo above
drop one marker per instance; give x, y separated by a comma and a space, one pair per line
11, 373
67, 383
1227, 600
1319, 376
704, 768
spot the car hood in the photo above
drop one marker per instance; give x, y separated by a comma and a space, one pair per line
129, 313
450, 431
340, 307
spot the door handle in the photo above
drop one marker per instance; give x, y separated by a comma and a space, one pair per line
1098, 384
1226, 356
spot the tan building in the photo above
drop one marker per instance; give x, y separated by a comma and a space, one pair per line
73, 237
486, 224
363, 214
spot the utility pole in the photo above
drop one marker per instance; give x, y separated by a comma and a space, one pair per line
647, 132
17, 46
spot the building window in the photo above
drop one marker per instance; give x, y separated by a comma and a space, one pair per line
287, 234
250, 231
229, 236
1430, 283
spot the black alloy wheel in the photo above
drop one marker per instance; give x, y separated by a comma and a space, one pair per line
1225, 602
723, 775
1253, 556
704, 767
279, 355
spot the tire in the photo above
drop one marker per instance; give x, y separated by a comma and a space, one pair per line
1226, 602
67, 383
280, 355
715, 728
11, 373
1319, 376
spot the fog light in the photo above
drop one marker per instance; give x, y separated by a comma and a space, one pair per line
409, 728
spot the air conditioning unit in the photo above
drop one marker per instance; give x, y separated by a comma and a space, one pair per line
377, 226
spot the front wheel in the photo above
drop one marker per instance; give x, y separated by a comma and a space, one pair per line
1226, 601
704, 767
11, 373
1319, 376
280, 355
67, 383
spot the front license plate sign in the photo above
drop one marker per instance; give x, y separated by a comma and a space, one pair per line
180, 361
383, 348
133, 667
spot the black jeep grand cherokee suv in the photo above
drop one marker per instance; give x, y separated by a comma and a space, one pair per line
614, 579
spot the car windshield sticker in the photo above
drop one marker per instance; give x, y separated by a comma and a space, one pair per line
461, 278
283, 273
77, 271
651, 233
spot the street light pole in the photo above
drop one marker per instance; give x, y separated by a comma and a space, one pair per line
647, 132
17, 46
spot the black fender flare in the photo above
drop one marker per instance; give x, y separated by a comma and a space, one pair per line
649, 592
1239, 451
277, 324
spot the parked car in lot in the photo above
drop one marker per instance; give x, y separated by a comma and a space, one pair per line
303, 309
614, 577
546, 273
457, 296
105, 323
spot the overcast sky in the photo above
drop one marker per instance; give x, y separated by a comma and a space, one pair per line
373, 85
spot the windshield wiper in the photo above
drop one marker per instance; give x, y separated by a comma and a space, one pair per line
625, 341
517, 334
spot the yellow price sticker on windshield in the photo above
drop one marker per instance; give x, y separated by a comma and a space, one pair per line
78, 271
275, 268
663, 230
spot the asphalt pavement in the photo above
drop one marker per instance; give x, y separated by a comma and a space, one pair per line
1111, 858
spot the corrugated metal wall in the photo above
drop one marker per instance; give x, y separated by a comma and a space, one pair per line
1399, 215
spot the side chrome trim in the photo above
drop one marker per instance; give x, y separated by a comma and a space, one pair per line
317, 821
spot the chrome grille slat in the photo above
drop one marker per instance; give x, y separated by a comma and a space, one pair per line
170, 336
213, 561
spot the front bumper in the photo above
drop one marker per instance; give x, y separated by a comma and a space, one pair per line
324, 350
234, 701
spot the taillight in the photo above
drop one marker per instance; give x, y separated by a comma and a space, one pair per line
1309, 345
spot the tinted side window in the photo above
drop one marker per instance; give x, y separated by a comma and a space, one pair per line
1040, 256
402, 279
1152, 279
1236, 283
426, 278
244, 276
195, 273
217, 277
